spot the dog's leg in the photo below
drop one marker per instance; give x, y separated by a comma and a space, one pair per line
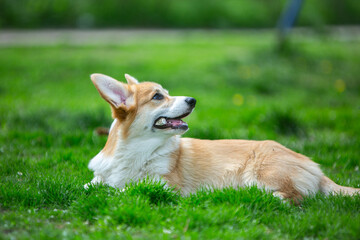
96, 180
280, 195
288, 198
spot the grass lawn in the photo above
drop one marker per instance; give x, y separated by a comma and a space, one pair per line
307, 99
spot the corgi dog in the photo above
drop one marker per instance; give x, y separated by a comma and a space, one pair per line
144, 140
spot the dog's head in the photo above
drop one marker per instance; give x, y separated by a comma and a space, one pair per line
144, 109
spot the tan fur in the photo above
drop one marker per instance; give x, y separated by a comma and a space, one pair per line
111, 142
126, 115
328, 186
222, 163
189, 164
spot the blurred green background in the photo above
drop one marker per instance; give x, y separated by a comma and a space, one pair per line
170, 13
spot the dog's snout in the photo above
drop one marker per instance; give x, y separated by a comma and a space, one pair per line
191, 101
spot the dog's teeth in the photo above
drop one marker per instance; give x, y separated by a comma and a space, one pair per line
160, 122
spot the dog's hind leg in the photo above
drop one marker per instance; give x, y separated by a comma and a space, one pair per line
288, 198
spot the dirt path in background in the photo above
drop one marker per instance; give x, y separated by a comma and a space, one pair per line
114, 36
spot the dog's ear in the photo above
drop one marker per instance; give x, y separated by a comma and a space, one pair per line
113, 91
131, 79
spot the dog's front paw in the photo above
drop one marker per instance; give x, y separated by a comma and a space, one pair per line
86, 186
96, 180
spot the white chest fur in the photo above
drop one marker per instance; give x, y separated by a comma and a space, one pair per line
134, 160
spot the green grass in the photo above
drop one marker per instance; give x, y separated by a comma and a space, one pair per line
306, 98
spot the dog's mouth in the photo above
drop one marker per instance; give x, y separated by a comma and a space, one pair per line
173, 123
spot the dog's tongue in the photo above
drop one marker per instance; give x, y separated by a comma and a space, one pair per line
177, 123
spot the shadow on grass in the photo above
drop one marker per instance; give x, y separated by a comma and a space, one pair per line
285, 122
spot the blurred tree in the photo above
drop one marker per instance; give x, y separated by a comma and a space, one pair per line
287, 20
169, 13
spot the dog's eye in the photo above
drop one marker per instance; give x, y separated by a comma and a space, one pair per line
158, 96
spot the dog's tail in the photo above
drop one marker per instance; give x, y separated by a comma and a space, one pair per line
327, 186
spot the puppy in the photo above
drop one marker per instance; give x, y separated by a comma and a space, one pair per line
144, 140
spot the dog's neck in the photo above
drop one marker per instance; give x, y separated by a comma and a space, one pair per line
141, 151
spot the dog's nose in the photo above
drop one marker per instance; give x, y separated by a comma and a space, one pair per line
191, 101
